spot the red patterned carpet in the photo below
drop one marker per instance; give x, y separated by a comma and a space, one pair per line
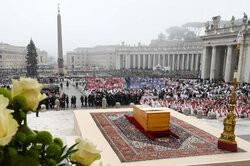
131, 145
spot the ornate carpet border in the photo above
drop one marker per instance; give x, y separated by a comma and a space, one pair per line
122, 159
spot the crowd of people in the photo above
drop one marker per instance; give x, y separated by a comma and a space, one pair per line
178, 94
194, 94
154, 74
6, 76
198, 95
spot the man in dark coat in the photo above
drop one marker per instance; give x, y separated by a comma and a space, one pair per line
82, 99
89, 100
67, 101
72, 100
86, 101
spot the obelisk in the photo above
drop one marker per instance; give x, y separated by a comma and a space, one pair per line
59, 38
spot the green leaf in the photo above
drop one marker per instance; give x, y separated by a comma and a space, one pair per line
58, 155
70, 151
72, 147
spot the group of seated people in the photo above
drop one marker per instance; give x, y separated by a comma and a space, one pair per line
153, 74
194, 94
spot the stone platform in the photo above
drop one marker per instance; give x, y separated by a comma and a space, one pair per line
86, 127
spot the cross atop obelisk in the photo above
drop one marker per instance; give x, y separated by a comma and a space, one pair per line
60, 49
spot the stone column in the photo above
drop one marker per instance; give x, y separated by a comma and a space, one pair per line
144, 61
159, 59
169, 62
228, 69
156, 59
164, 60
192, 63
134, 62
197, 62
139, 61
131, 61
149, 61
188, 61
173, 62
213, 63
118, 60
127, 61
240, 64
183, 62
204, 64
178, 62
153, 60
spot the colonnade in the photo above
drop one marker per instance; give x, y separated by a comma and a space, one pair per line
188, 62
218, 62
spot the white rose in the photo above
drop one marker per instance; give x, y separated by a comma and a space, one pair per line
8, 125
86, 154
30, 89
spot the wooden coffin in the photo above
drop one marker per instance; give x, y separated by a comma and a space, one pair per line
151, 119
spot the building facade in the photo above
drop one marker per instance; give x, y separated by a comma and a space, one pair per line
214, 54
177, 56
13, 57
219, 51
101, 57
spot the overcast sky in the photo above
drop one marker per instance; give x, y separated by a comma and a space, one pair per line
86, 23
